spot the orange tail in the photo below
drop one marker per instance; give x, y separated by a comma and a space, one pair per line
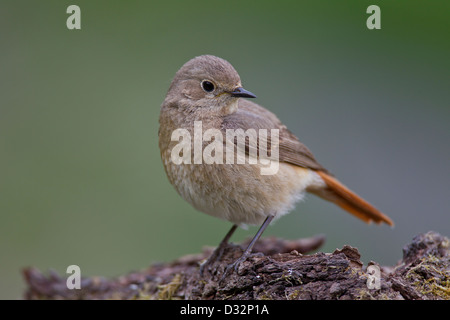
349, 201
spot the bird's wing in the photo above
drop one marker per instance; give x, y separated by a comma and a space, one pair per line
292, 151
252, 116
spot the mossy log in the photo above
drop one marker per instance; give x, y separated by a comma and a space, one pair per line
277, 270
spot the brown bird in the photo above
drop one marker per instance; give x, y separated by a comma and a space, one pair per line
204, 98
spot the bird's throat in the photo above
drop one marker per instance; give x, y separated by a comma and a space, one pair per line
232, 107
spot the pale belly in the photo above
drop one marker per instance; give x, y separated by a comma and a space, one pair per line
238, 192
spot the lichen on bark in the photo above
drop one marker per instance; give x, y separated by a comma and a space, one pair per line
278, 270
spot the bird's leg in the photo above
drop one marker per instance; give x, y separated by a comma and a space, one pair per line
217, 253
248, 251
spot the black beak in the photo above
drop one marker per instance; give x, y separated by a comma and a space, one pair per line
241, 92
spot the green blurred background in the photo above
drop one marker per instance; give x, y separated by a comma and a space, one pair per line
81, 179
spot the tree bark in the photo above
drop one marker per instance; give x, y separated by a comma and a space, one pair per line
277, 270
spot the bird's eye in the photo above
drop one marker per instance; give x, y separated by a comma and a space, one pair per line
208, 86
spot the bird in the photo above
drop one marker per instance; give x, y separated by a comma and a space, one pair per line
206, 94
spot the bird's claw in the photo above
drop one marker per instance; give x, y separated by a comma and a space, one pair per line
232, 266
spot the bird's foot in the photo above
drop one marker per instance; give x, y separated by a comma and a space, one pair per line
215, 256
234, 266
